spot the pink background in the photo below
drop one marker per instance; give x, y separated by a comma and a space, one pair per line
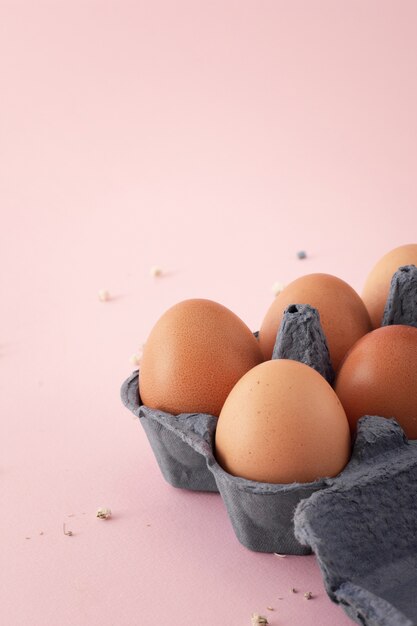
214, 139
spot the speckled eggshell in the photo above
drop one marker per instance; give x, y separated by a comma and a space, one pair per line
194, 355
282, 423
375, 291
379, 377
343, 315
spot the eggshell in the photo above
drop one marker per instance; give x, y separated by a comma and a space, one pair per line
379, 377
194, 355
343, 315
282, 423
375, 291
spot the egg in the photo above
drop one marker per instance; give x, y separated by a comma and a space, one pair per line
377, 284
282, 423
194, 355
379, 377
343, 315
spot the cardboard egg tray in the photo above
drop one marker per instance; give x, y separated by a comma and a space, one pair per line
362, 524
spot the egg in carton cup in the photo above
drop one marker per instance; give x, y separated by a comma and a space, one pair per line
184, 445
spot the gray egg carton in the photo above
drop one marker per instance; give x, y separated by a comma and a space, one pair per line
262, 514
363, 527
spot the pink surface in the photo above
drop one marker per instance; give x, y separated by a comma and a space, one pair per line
214, 139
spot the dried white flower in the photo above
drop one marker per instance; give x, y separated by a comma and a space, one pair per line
103, 295
136, 358
104, 513
277, 288
258, 620
155, 271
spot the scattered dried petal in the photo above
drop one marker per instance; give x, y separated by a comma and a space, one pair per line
270, 608
282, 556
104, 513
293, 590
69, 533
135, 359
258, 620
277, 288
103, 295
308, 595
155, 271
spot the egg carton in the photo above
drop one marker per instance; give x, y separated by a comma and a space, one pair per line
262, 514
363, 527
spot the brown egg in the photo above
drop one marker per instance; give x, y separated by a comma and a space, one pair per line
194, 355
282, 423
343, 315
379, 377
375, 292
